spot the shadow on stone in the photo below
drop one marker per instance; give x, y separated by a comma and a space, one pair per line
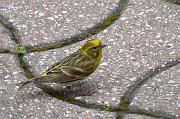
85, 89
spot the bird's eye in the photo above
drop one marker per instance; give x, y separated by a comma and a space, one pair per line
95, 48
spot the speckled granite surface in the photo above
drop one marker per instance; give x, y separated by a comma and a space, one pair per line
141, 62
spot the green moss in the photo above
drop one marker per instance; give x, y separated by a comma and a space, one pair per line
85, 34
20, 49
108, 21
103, 107
124, 103
43, 48
173, 1
28, 74
23, 65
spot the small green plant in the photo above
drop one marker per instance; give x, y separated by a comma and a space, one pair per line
20, 49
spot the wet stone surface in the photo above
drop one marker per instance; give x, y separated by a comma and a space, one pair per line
50, 21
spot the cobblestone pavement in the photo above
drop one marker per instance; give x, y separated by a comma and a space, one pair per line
139, 77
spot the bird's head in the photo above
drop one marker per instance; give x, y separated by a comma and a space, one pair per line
92, 48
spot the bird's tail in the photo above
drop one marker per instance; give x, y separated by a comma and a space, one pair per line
31, 81
23, 84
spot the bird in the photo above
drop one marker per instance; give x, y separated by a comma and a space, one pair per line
73, 69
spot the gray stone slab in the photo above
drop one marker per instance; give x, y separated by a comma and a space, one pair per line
9, 75
107, 88
144, 37
34, 104
46, 59
49, 21
5, 40
147, 35
161, 92
133, 116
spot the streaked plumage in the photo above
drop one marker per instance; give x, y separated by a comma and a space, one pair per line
74, 68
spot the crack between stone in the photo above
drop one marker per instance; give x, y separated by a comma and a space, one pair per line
102, 107
129, 95
24, 67
3, 51
12, 31
150, 112
110, 19
173, 1
79, 37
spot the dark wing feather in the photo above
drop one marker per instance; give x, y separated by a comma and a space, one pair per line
66, 70
74, 71
65, 74
53, 66
57, 65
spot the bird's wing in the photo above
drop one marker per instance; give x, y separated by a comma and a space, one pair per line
50, 69
64, 74
54, 66
74, 71
57, 65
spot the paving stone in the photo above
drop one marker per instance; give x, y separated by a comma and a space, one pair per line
10, 73
133, 116
48, 58
144, 37
147, 35
161, 92
49, 21
5, 39
36, 105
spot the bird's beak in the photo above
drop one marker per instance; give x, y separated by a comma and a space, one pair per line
103, 45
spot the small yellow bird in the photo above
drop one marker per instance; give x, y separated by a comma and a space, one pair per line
74, 68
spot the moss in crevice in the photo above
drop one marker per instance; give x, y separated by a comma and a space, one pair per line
25, 67
42, 47
5, 51
12, 31
20, 49
125, 101
128, 96
56, 94
110, 19
123, 105
151, 113
173, 1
